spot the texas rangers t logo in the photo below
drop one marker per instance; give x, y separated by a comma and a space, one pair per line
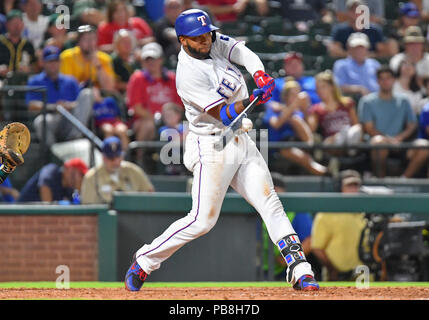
202, 19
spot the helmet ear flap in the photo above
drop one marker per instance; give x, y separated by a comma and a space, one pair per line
213, 36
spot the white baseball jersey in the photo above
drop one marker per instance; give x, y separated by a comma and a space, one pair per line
204, 84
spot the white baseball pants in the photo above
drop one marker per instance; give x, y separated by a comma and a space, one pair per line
240, 165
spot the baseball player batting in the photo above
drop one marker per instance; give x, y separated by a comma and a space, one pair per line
214, 93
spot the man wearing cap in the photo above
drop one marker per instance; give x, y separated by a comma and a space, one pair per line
335, 236
409, 15
86, 63
114, 174
356, 74
148, 90
294, 67
341, 32
414, 51
16, 52
54, 183
61, 90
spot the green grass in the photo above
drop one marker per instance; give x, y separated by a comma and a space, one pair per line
41, 285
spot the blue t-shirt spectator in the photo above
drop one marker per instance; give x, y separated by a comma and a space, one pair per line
424, 123
308, 84
51, 176
302, 223
341, 32
66, 88
388, 116
285, 131
106, 110
348, 72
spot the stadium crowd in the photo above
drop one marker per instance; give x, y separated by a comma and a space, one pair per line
340, 80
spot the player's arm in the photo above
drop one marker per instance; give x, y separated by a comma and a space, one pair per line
228, 112
239, 54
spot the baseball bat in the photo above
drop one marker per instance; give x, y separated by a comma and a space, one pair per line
75, 121
228, 134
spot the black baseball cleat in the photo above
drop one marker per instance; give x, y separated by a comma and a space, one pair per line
306, 283
135, 277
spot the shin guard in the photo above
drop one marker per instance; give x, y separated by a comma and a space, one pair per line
291, 250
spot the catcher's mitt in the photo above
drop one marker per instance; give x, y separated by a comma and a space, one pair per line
14, 142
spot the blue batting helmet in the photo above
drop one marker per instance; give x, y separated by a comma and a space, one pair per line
193, 22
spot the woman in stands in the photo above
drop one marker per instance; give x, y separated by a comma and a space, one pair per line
335, 117
285, 122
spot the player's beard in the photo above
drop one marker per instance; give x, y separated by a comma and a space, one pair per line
197, 54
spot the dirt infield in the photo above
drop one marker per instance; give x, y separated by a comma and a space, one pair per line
242, 293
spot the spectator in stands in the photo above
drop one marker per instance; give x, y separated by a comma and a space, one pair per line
124, 58
35, 23
376, 8
164, 31
61, 90
423, 131
335, 236
91, 12
8, 194
305, 11
17, 54
8, 5
114, 174
406, 83
294, 67
414, 51
107, 118
172, 129
423, 6
5, 7
230, 10
148, 90
424, 123
341, 32
389, 119
285, 122
409, 15
87, 64
54, 183
172, 118
118, 17
335, 117
356, 74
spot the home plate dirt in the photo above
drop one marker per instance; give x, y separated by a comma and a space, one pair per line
222, 293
